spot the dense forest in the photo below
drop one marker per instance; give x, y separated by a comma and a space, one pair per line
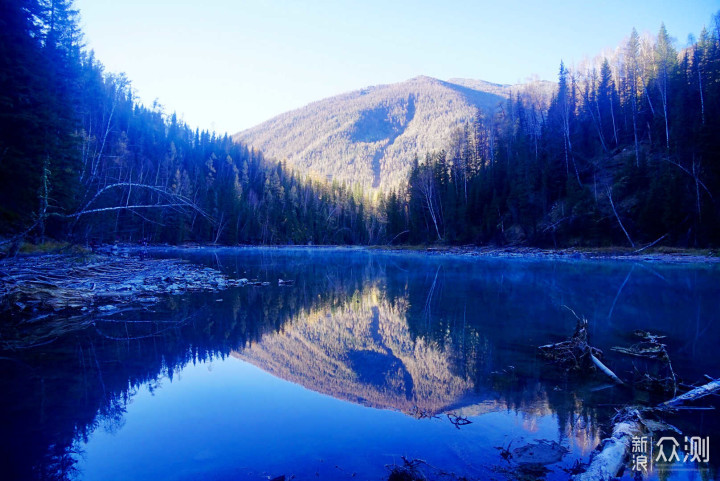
625, 153
81, 159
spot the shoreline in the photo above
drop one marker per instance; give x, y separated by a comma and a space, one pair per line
659, 254
669, 255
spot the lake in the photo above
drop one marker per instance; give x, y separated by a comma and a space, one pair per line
370, 360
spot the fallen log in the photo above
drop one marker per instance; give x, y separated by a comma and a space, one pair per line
607, 461
604, 369
697, 393
628, 423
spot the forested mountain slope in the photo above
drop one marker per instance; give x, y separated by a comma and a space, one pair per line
81, 159
626, 152
370, 136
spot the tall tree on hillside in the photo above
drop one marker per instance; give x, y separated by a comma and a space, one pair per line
21, 111
62, 51
665, 64
607, 100
632, 52
564, 105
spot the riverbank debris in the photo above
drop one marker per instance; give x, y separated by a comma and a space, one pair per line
610, 456
630, 422
53, 283
576, 354
573, 354
651, 348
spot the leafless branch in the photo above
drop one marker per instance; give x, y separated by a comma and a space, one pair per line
172, 200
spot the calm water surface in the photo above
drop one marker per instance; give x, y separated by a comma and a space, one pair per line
365, 361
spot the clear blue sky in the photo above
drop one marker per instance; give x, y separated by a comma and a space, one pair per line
227, 65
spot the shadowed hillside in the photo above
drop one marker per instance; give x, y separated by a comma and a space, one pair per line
370, 136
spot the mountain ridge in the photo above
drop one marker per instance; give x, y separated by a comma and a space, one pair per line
370, 136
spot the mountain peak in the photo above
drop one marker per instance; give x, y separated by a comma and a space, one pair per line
424, 78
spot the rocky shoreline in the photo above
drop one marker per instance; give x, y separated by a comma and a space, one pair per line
43, 297
98, 283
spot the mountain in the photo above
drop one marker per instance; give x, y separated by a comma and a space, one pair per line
370, 136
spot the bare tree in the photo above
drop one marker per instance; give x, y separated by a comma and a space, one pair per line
666, 58
426, 187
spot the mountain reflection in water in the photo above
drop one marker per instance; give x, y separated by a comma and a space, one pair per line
361, 350
424, 336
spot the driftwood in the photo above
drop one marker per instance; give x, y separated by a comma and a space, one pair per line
607, 461
697, 393
573, 354
60, 282
651, 348
47, 296
576, 354
604, 369
611, 454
